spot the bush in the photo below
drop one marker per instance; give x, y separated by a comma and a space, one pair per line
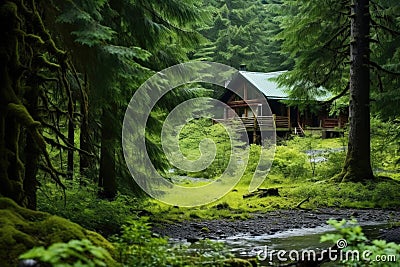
332, 166
82, 206
75, 253
351, 233
290, 162
137, 246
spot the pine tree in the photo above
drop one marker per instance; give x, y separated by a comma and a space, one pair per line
239, 34
322, 37
134, 38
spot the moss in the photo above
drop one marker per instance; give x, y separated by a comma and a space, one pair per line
237, 263
21, 229
21, 114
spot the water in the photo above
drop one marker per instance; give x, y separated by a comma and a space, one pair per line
248, 246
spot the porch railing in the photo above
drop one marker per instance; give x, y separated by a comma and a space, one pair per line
331, 123
263, 122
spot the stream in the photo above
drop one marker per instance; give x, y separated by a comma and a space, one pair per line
288, 230
246, 246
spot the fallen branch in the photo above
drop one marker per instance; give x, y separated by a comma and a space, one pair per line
298, 206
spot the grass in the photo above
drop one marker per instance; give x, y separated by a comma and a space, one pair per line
291, 173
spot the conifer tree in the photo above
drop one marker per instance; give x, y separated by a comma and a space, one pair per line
123, 41
330, 43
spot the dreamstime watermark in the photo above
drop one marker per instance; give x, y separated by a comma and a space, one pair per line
151, 94
337, 253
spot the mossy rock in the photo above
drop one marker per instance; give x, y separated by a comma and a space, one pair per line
236, 262
21, 229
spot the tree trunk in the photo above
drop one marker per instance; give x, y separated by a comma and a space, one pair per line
70, 155
32, 154
85, 161
358, 164
107, 174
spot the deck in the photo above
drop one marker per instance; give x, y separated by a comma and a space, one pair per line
263, 123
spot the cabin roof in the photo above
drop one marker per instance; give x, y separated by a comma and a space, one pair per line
265, 83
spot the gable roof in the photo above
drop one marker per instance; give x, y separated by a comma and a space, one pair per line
265, 83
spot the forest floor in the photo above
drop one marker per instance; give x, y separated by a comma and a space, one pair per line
270, 223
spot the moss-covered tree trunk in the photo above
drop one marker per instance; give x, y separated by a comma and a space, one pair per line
358, 164
30, 63
11, 164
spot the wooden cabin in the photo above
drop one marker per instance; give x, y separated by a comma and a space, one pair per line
250, 88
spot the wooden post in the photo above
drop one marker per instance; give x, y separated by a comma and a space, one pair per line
274, 119
255, 126
288, 114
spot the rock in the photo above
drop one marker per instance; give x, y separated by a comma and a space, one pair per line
354, 214
193, 239
391, 235
237, 263
22, 229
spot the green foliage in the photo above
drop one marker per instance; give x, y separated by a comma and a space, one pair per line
75, 253
197, 130
239, 34
376, 194
370, 252
137, 246
385, 146
83, 206
290, 162
332, 166
321, 51
22, 229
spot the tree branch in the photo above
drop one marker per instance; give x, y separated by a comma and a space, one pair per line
339, 95
380, 68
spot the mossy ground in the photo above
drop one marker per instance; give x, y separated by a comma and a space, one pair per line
21, 229
291, 173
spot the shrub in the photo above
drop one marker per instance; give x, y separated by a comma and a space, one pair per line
82, 206
75, 253
290, 162
332, 166
351, 233
137, 246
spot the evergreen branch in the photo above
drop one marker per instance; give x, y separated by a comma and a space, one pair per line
380, 68
166, 22
340, 31
387, 29
339, 95
376, 5
54, 143
327, 76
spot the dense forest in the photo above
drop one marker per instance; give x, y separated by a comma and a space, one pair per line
69, 69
